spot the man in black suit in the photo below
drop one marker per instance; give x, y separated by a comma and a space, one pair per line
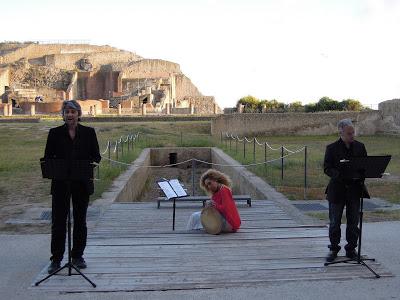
342, 191
70, 141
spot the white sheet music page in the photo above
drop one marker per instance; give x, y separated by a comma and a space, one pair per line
167, 189
177, 187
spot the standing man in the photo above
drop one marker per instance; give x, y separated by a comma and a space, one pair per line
343, 192
70, 141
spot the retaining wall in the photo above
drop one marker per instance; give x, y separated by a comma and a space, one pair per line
366, 123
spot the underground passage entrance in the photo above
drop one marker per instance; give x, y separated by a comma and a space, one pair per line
173, 158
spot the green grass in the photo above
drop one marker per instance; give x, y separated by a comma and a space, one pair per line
22, 144
292, 184
369, 216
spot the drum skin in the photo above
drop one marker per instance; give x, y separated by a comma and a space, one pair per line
211, 220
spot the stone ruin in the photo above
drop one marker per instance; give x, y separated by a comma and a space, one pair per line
37, 77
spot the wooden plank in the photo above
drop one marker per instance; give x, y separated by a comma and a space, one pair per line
270, 247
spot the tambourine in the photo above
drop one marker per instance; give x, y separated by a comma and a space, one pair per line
211, 220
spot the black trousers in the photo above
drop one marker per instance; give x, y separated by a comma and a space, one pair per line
352, 203
60, 204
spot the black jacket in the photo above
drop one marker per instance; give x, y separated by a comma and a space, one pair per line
84, 146
336, 189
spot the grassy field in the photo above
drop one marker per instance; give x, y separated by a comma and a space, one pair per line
22, 144
293, 182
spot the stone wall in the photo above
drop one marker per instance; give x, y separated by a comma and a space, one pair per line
367, 123
42, 108
4, 80
185, 87
92, 86
204, 105
151, 68
72, 90
160, 156
55, 107
390, 110
129, 185
38, 50
87, 104
68, 61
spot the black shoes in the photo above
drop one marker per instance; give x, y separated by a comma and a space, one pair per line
79, 263
54, 266
352, 254
331, 256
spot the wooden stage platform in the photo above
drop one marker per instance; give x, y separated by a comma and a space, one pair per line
133, 248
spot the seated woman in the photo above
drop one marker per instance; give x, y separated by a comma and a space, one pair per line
218, 185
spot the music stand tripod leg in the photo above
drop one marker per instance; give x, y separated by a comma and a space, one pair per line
359, 260
173, 216
69, 264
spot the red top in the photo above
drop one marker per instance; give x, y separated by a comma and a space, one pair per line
224, 203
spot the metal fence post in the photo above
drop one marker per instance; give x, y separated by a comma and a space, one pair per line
244, 147
193, 176
236, 145
265, 158
305, 172
116, 150
254, 149
109, 152
181, 139
282, 162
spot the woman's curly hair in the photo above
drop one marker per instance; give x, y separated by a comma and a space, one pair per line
214, 175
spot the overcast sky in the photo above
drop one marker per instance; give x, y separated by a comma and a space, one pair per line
287, 50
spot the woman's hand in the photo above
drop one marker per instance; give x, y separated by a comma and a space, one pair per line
210, 203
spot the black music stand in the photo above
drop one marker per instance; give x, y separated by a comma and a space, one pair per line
359, 168
172, 190
67, 170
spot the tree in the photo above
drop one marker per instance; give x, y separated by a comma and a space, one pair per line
352, 104
312, 107
326, 103
273, 105
250, 103
295, 106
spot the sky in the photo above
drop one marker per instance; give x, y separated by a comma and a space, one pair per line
272, 49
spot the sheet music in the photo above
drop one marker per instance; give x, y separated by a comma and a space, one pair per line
167, 189
177, 187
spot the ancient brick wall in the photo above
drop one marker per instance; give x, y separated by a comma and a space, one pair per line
204, 105
95, 86
4, 80
86, 104
42, 108
151, 68
38, 50
72, 90
55, 107
68, 61
184, 87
